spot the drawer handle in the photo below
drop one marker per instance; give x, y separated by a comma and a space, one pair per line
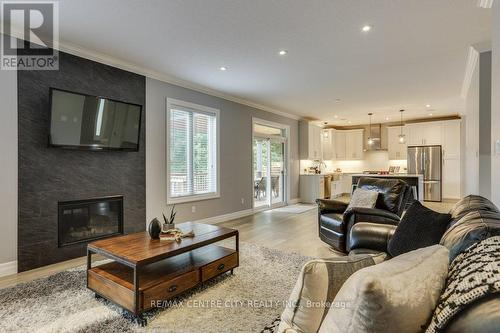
172, 288
221, 267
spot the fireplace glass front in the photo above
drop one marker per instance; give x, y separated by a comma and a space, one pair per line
89, 219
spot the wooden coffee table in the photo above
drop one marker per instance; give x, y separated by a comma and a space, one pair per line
145, 272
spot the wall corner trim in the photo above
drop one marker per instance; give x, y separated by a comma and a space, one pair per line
472, 61
8, 268
485, 3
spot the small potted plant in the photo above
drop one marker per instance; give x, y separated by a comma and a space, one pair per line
169, 223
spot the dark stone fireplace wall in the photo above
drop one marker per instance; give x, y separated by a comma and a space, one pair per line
49, 175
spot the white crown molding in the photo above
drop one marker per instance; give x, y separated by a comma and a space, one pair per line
485, 3
112, 61
80, 51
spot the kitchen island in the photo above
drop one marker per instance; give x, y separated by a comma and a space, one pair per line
416, 181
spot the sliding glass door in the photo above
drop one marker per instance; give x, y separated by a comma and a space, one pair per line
269, 166
260, 172
277, 152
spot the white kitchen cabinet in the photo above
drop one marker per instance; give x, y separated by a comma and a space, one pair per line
310, 141
451, 139
396, 150
354, 145
340, 146
346, 181
451, 179
349, 145
336, 189
312, 187
447, 135
328, 139
451, 166
424, 134
433, 133
414, 136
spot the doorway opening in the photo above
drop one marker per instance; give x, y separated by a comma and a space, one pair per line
270, 163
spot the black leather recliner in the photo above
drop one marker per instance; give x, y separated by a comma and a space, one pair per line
335, 221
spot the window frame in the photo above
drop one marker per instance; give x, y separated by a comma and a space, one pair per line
172, 103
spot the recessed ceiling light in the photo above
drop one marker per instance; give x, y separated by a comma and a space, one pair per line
366, 28
223, 68
335, 116
386, 118
283, 52
349, 122
430, 114
427, 105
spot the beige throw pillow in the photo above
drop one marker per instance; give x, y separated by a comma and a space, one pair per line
396, 296
316, 287
363, 198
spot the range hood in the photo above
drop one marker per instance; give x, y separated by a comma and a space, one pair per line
376, 135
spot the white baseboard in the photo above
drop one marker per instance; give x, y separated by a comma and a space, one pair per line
8, 268
226, 217
239, 214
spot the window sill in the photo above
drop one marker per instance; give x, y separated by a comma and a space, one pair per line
192, 198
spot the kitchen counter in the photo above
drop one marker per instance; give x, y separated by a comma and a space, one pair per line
416, 181
392, 175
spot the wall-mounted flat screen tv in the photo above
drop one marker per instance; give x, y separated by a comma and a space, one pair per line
80, 121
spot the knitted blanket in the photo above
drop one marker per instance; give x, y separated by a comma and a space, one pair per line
474, 274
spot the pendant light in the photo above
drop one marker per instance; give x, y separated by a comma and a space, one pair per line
370, 139
401, 136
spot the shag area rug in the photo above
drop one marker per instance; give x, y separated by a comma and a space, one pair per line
247, 301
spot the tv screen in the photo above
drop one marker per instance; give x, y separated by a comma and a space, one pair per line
81, 121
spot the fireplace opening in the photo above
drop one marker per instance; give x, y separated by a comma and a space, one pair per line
85, 220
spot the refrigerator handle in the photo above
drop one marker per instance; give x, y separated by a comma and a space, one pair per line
422, 171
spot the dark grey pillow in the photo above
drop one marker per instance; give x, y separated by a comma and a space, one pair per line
419, 227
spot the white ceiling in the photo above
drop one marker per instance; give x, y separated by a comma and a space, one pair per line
414, 55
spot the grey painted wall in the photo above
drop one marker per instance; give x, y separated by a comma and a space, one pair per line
485, 124
477, 130
235, 159
49, 175
8, 162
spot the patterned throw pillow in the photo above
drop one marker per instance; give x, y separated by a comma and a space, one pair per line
363, 198
473, 275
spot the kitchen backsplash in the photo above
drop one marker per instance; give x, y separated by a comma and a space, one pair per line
373, 160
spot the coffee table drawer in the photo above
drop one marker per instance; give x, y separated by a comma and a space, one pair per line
170, 288
219, 266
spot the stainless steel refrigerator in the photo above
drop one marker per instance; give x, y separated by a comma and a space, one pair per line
426, 160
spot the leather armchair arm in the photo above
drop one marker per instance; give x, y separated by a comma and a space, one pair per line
331, 206
363, 214
372, 236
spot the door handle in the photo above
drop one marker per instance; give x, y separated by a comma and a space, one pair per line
172, 288
221, 267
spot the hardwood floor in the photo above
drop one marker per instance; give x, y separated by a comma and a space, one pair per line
283, 231
275, 229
